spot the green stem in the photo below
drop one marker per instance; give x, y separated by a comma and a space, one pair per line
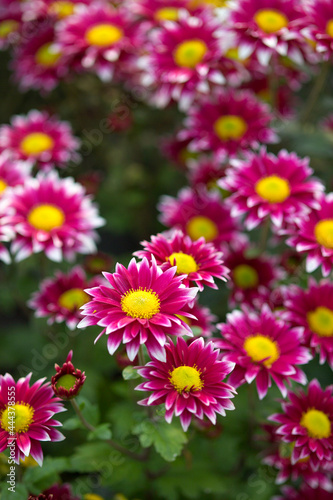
315, 92
141, 356
111, 442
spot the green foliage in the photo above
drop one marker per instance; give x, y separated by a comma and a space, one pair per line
36, 479
130, 373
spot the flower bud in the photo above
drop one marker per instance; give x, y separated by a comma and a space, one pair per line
68, 380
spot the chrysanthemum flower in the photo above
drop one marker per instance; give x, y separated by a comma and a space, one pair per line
227, 123
140, 307
57, 9
189, 383
56, 492
305, 492
199, 261
33, 422
319, 25
95, 37
158, 11
314, 235
306, 422
312, 310
12, 172
7, 233
52, 215
68, 381
268, 186
263, 348
40, 138
204, 324
10, 25
59, 298
199, 214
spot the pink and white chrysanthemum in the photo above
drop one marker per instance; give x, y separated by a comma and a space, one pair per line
267, 186
319, 25
59, 298
269, 27
305, 492
199, 261
199, 214
41, 138
312, 310
12, 172
158, 11
52, 215
95, 37
189, 383
314, 235
227, 123
307, 423
7, 233
263, 348
26, 416
54, 9
142, 306
251, 277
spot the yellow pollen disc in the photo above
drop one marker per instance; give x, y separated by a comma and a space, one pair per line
199, 226
103, 35
46, 217
260, 347
273, 189
62, 9
73, 299
3, 186
7, 27
167, 14
321, 321
47, 55
329, 28
190, 53
212, 3
230, 127
270, 20
36, 143
17, 418
316, 423
245, 276
186, 378
184, 262
140, 303
324, 233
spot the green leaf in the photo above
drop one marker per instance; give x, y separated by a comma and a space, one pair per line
167, 439
20, 492
130, 373
101, 432
72, 423
90, 457
40, 478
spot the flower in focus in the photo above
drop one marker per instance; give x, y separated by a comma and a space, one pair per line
306, 422
40, 138
52, 215
68, 381
33, 408
189, 383
263, 348
141, 306
267, 186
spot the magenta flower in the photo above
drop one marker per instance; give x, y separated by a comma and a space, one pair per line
319, 25
198, 260
159, 11
10, 25
40, 138
141, 306
59, 298
312, 311
54, 9
276, 187
7, 232
305, 492
263, 348
204, 324
204, 172
68, 380
12, 172
189, 383
306, 422
33, 408
52, 215
227, 123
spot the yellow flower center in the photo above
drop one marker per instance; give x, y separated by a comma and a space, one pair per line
103, 35
273, 189
184, 262
167, 14
199, 226
260, 347
316, 423
321, 321
212, 3
47, 55
140, 303
329, 28
46, 217
190, 53
245, 276
73, 299
270, 20
62, 9
324, 233
7, 27
186, 378
17, 418
3, 186
230, 127
36, 143
66, 381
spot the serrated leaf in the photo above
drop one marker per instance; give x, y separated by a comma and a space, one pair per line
72, 423
101, 432
130, 373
